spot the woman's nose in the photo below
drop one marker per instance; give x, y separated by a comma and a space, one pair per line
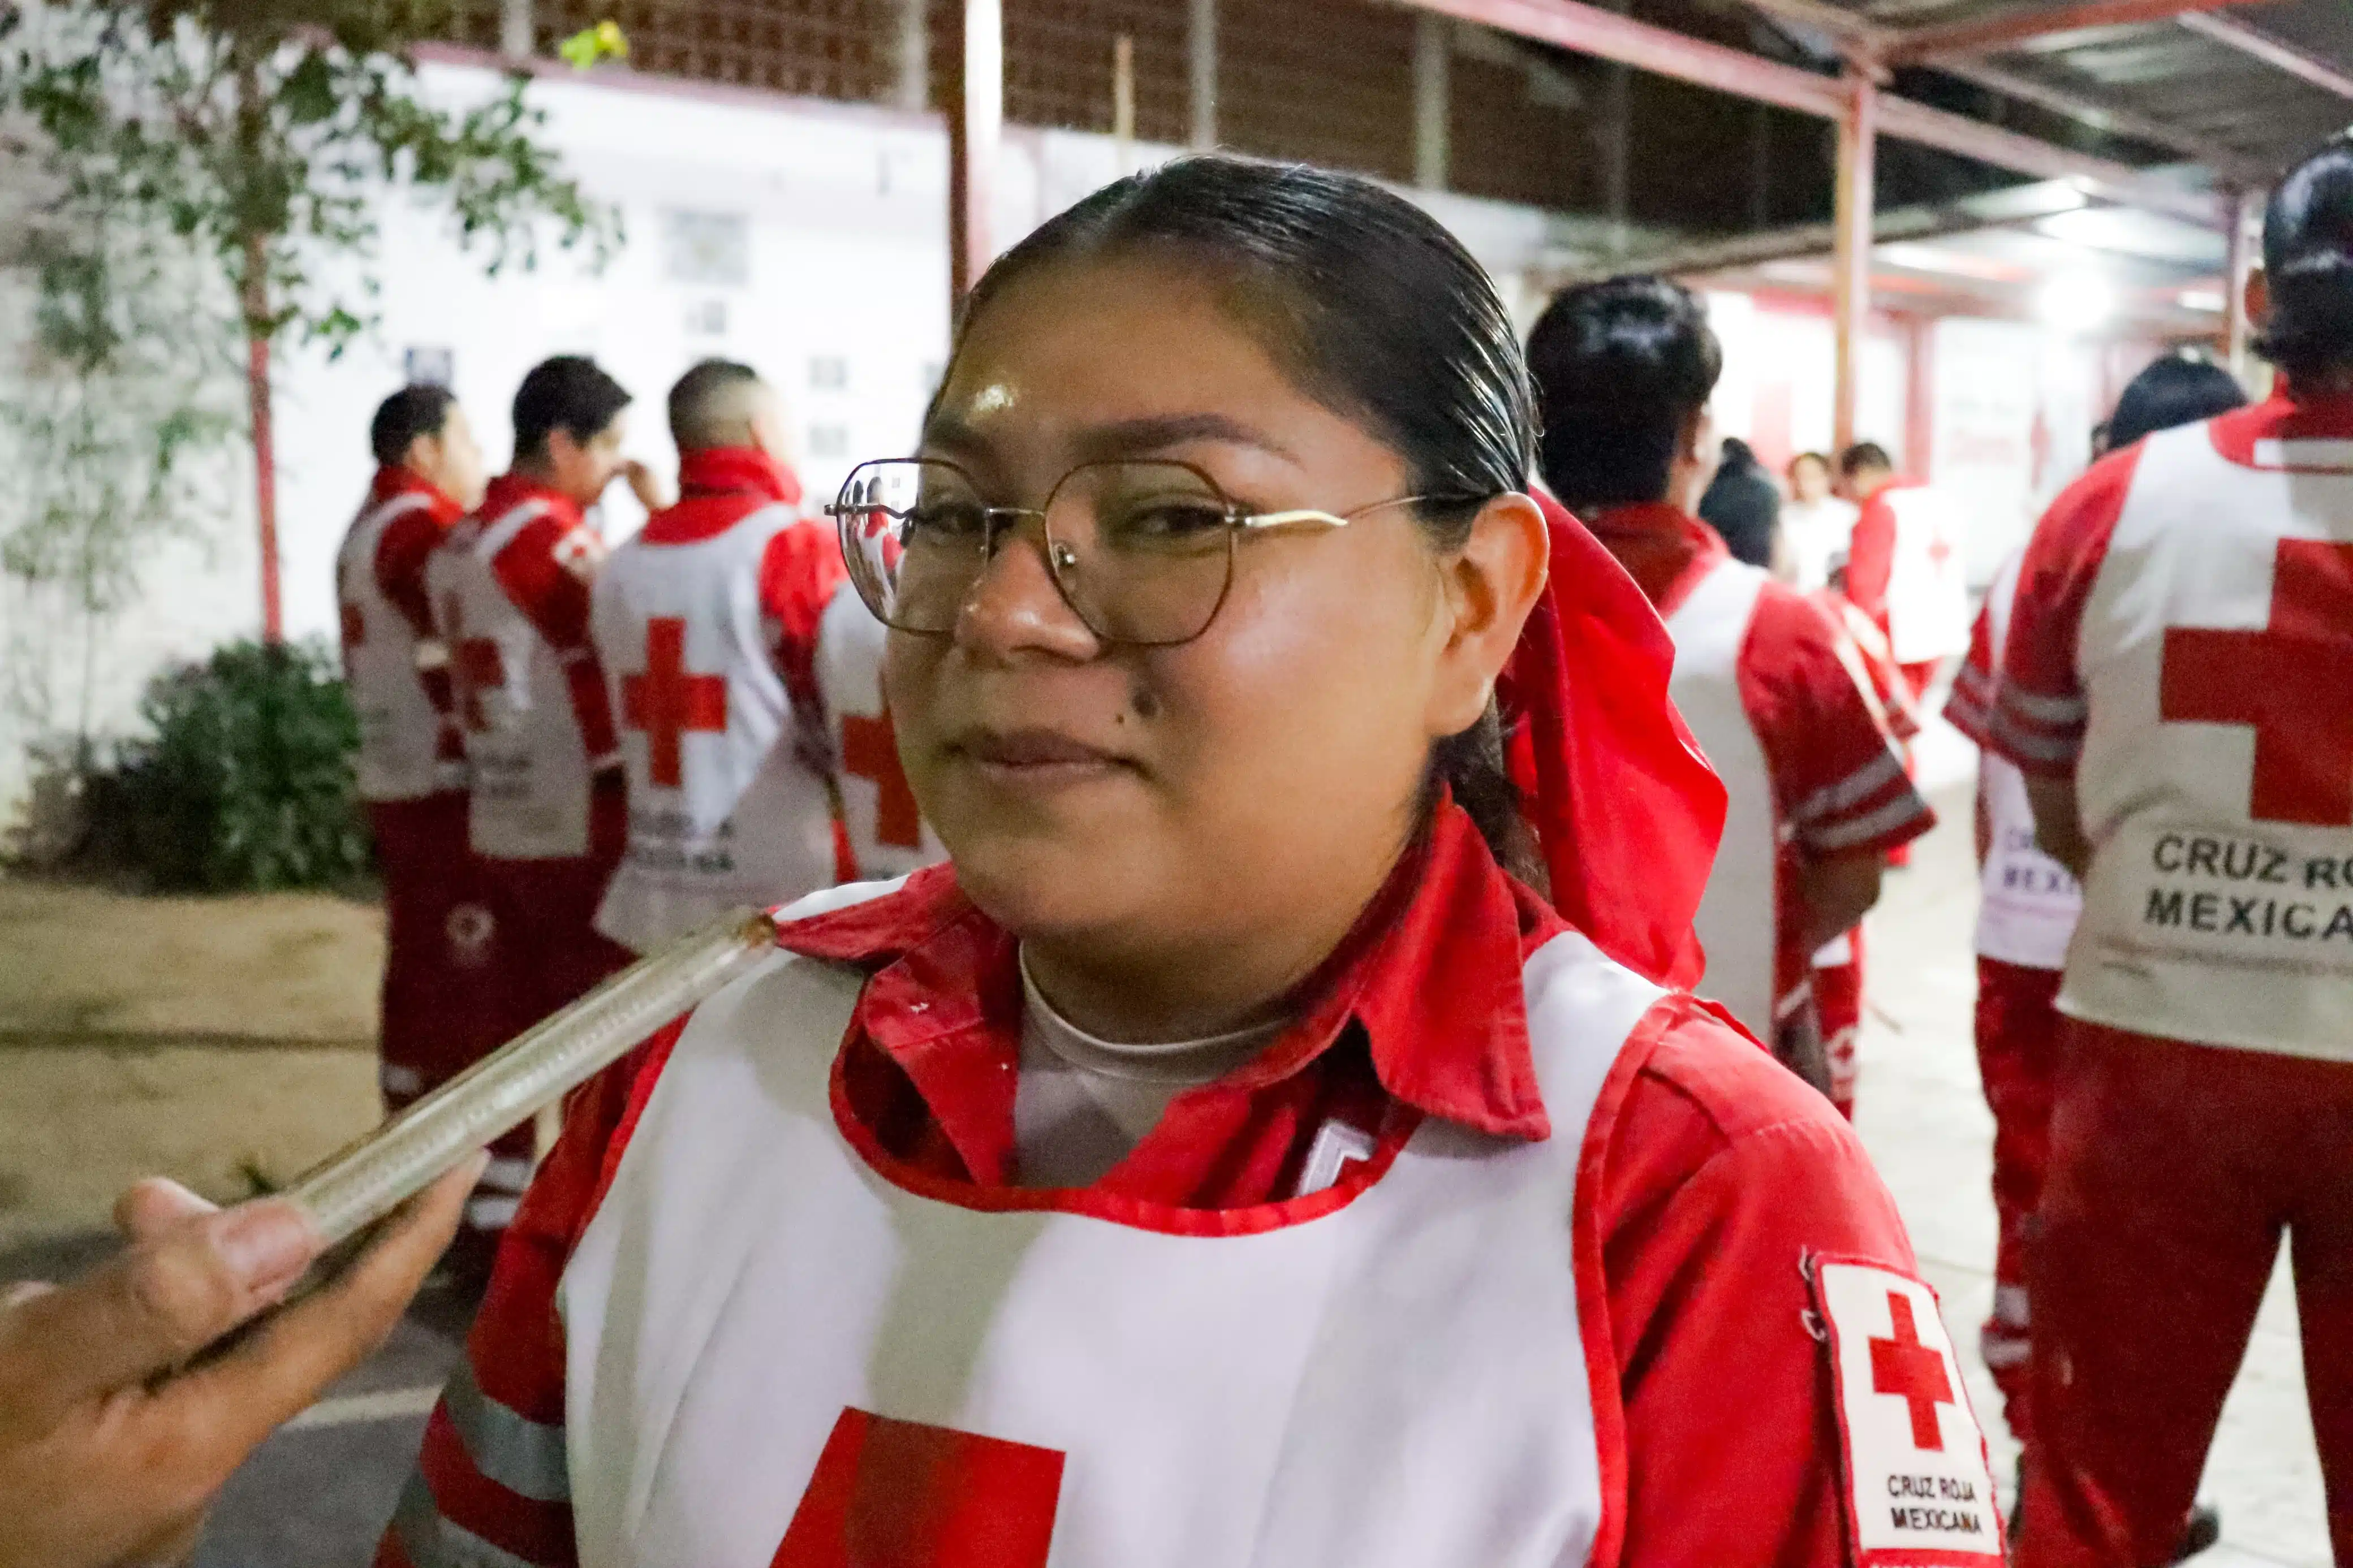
1015, 607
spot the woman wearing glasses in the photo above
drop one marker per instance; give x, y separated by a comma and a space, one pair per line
1225, 1159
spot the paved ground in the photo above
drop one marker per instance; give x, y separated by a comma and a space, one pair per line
316, 1495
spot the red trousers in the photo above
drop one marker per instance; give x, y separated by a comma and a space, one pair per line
2174, 1169
548, 911
1837, 1003
447, 973
2018, 1048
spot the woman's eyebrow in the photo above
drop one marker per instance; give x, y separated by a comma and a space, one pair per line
1131, 438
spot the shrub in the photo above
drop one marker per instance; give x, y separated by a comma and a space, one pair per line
247, 784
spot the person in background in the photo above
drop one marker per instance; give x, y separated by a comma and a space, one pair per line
706, 624
440, 971
1623, 372
1224, 1160
1743, 504
2026, 911
2174, 688
1817, 525
546, 812
111, 1450
1907, 566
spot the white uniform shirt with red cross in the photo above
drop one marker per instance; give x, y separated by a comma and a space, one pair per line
883, 828
704, 624
509, 588
2181, 647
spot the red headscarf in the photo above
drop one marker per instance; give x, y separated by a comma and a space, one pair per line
1627, 810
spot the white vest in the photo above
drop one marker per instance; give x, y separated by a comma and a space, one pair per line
725, 809
2027, 901
526, 762
1928, 582
1738, 914
886, 834
1818, 534
399, 731
1407, 1381
2202, 921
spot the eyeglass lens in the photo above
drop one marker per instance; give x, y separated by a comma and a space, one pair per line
1141, 550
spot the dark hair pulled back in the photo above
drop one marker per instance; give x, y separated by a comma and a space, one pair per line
2309, 265
2173, 389
1620, 366
1373, 310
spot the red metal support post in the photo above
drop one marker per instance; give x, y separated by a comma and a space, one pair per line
1858, 135
976, 121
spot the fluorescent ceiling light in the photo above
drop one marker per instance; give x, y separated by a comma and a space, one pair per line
2077, 302
2210, 301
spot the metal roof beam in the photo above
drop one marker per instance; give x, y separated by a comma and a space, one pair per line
2008, 29
1588, 30
2114, 118
2271, 51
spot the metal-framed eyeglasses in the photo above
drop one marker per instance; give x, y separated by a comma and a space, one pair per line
1142, 550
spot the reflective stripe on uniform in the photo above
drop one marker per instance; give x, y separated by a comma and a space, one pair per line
430, 1541
524, 1455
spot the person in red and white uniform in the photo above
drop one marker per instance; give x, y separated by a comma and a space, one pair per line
1817, 525
883, 833
2027, 908
441, 974
1907, 566
546, 808
2175, 688
1224, 1159
1839, 962
1624, 371
706, 624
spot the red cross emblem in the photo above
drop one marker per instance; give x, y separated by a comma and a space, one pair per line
870, 750
900, 1494
666, 701
474, 666
1912, 1371
2292, 683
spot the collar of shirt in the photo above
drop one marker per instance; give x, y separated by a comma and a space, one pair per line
2285, 417
395, 480
1430, 976
718, 488
1663, 548
512, 489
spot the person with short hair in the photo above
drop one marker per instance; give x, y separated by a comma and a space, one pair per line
706, 624
2027, 907
2174, 688
1817, 524
1623, 372
546, 810
1907, 565
1225, 1159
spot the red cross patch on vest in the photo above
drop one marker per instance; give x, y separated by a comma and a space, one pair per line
901, 1494
2291, 682
1919, 1482
667, 701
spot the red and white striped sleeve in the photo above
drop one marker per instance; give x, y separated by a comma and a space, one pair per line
492, 1487
1969, 709
2039, 708
1839, 779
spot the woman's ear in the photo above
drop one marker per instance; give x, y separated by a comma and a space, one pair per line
1491, 584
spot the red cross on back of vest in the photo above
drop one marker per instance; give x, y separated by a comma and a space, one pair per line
667, 701
475, 666
2291, 682
869, 751
902, 1494
1912, 1371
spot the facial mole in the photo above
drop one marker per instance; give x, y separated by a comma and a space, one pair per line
1145, 704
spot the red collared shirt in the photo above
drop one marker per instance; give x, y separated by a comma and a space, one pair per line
1838, 780
1720, 1174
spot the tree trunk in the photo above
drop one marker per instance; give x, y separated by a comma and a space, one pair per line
265, 459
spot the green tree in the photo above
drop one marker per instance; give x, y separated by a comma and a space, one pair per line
264, 134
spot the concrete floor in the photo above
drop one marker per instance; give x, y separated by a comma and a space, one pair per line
317, 1494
